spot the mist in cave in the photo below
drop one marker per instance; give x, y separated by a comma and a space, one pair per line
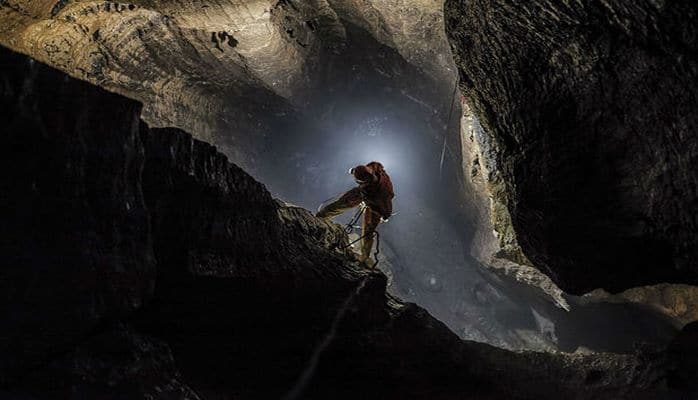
359, 111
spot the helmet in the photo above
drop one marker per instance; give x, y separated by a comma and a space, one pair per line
362, 174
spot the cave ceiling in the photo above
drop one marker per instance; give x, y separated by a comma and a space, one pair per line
190, 60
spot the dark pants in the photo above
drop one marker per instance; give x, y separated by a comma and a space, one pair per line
349, 200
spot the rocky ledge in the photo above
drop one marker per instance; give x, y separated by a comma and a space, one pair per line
140, 263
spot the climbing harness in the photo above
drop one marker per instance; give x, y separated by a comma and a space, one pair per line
355, 219
350, 226
378, 242
448, 124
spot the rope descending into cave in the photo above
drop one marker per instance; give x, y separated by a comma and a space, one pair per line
448, 124
308, 372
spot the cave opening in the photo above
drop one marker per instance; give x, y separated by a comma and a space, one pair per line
368, 103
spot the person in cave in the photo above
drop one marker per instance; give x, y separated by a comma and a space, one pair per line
375, 191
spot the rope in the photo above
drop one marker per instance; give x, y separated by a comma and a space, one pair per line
378, 248
448, 124
378, 244
312, 364
350, 226
349, 245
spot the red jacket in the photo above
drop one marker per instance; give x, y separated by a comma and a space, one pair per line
378, 192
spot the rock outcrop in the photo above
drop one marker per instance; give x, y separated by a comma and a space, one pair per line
588, 134
674, 300
139, 262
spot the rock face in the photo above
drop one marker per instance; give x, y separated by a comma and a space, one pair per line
75, 248
266, 43
222, 70
589, 134
160, 270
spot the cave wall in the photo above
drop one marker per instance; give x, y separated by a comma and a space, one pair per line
75, 246
138, 262
207, 68
222, 70
587, 111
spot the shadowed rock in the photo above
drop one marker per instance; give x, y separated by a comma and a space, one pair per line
246, 287
589, 133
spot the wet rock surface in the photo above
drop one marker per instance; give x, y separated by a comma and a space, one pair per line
241, 296
587, 111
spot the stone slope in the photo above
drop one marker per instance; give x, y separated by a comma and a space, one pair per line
150, 265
